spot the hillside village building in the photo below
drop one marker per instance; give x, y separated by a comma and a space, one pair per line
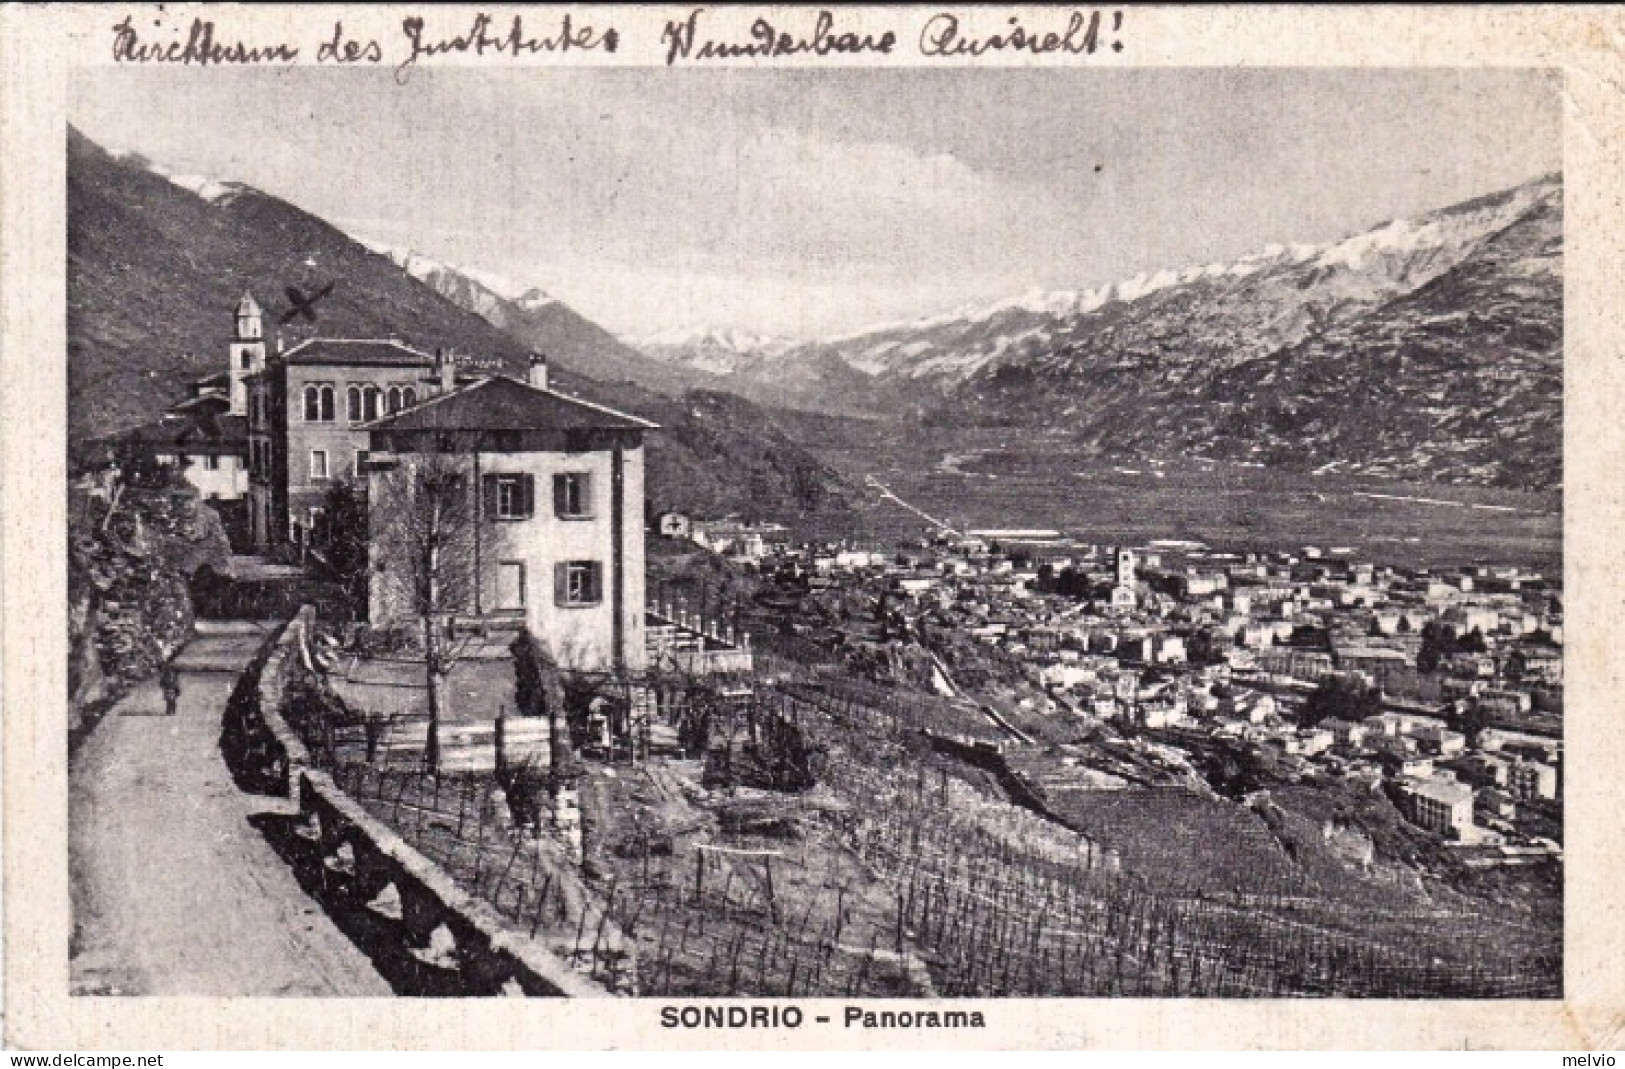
207, 441
554, 484
554, 487
207, 433
738, 539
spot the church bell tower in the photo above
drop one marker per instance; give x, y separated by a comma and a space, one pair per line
247, 351
1125, 567
1124, 595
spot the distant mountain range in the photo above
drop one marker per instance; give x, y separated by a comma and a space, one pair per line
157, 261
544, 323
712, 351
1428, 348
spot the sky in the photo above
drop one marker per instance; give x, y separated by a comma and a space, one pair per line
809, 203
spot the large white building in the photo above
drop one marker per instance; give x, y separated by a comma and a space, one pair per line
1438, 805
548, 514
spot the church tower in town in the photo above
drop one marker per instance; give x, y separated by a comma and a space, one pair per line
1124, 595
247, 351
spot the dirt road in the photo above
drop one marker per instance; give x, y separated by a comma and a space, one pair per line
175, 891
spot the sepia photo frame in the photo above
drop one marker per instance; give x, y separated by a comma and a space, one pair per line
42, 50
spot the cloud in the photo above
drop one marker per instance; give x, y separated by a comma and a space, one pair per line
772, 199
769, 199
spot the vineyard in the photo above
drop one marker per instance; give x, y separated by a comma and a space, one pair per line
529, 879
907, 870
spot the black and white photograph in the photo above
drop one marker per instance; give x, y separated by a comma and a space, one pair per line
838, 533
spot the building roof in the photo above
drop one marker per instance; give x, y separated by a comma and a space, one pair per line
356, 352
500, 403
200, 426
1382, 653
1438, 790
205, 405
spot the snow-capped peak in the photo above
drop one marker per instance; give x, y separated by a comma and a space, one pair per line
429, 269
1449, 226
213, 190
533, 298
723, 338
713, 350
1436, 229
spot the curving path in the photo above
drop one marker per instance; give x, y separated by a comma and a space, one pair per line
175, 890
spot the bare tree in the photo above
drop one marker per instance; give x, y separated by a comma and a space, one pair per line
424, 516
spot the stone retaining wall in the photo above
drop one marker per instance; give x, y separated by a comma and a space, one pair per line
367, 865
423, 917
266, 746
990, 756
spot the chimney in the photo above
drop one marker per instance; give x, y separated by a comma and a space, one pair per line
445, 369
538, 371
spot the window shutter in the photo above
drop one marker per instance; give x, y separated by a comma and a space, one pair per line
596, 584
586, 493
488, 490
527, 495
561, 584
561, 495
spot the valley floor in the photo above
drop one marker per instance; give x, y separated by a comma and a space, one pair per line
1006, 479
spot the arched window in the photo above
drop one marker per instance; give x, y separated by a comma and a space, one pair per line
409, 397
313, 403
352, 397
371, 403
329, 403
394, 399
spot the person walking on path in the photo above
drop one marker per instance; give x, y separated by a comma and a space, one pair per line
175, 890
169, 681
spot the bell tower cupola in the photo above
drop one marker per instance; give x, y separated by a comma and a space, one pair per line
247, 351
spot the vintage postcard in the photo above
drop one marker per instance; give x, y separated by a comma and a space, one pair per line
781, 527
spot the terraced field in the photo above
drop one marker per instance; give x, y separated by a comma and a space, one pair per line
1182, 842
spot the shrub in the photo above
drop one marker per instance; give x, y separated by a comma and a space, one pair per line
1342, 698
